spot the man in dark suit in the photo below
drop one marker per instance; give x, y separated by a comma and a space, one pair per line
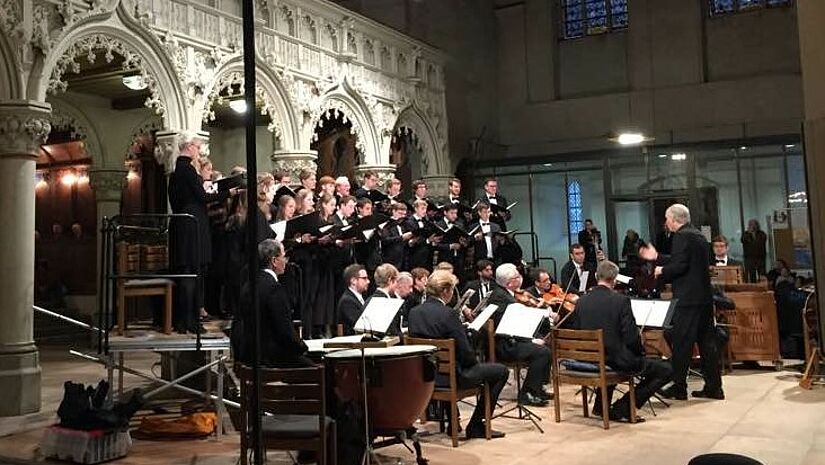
280, 345
604, 309
452, 252
492, 197
542, 282
435, 320
720, 253
351, 303
687, 270
531, 353
591, 239
483, 285
394, 237
420, 247
190, 248
385, 279
574, 268
367, 251
342, 255
370, 183
485, 239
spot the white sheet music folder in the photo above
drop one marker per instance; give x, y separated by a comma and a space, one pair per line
650, 313
378, 315
483, 317
519, 321
583, 282
280, 229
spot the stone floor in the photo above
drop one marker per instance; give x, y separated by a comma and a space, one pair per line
766, 416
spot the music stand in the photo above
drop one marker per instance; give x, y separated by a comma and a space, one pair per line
520, 321
653, 314
378, 315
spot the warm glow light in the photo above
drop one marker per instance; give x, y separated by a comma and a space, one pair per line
630, 138
132, 175
238, 106
83, 179
68, 179
41, 184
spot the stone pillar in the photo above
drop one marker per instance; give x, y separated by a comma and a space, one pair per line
24, 125
437, 184
810, 17
384, 172
293, 162
107, 184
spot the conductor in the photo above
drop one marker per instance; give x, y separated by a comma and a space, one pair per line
687, 270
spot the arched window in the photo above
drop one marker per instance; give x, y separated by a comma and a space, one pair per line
591, 17
575, 221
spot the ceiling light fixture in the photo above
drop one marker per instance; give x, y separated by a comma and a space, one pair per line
135, 82
678, 156
238, 106
631, 138
68, 179
548, 165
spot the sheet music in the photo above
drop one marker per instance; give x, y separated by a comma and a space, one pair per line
317, 345
650, 313
326, 228
583, 282
280, 229
369, 233
378, 315
483, 317
623, 278
520, 321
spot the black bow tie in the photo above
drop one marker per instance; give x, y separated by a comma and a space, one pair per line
485, 224
720, 262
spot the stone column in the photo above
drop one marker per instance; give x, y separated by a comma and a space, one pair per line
384, 172
437, 184
810, 17
293, 162
24, 125
107, 184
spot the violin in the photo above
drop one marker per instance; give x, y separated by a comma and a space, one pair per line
556, 296
525, 298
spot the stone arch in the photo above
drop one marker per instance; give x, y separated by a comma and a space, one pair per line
115, 31
9, 72
273, 91
433, 159
345, 99
65, 112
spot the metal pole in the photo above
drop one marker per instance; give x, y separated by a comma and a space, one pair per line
248, 14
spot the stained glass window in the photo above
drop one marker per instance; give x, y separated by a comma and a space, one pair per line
590, 17
721, 7
575, 221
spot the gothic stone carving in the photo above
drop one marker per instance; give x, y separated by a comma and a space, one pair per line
23, 128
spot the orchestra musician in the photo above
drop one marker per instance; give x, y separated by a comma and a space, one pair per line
483, 285
591, 239
572, 271
492, 197
542, 283
603, 308
687, 270
435, 320
351, 304
386, 280
280, 345
404, 290
532, 353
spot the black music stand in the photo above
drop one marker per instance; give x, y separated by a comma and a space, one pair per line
520, 322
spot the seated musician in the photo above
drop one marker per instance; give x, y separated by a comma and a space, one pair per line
532, 353
603, 308
351, 303
542, 283
280, 345
434, 320
386, 278
404, 290
572, 271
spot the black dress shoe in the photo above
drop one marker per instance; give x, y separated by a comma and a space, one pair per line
705, 394
475, 432
674, 393
531, 400
544, 395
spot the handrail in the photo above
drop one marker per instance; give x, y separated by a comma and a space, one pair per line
65, 318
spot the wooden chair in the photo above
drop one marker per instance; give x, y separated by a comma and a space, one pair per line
139, 288
452, 393
295, 401
586, 346
516, 366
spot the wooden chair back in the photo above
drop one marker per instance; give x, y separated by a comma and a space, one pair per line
578, 344
285, 391
445, 356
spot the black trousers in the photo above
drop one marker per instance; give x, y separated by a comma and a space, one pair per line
693, 324
655, 373
188, 299
535, 357
494, 375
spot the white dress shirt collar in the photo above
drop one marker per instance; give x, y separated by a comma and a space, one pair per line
271, 273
